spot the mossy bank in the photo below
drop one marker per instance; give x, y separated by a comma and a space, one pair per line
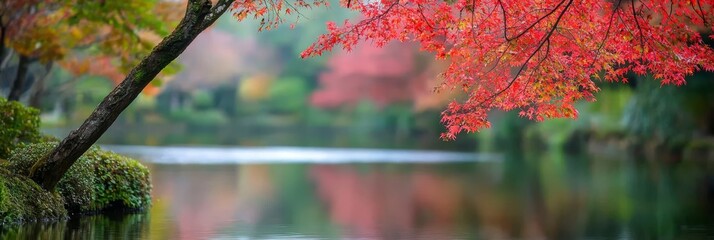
98, 181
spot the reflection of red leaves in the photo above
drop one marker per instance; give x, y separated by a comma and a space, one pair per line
199, 200
380, 205
358, 202
506, 56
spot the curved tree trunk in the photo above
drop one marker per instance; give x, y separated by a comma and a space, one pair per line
199, 15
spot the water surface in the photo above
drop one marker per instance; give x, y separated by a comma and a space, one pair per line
314, 193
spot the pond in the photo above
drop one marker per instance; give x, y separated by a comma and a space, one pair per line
319, 193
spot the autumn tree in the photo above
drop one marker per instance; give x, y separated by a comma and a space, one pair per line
15, 18
101, 32
535, 56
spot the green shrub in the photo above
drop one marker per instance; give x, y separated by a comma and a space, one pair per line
17, 124
99, 179
21, 200
203, 100
288, 95
121, 181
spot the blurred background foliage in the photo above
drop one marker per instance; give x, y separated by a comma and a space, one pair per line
237, 86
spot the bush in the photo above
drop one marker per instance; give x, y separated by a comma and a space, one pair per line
288, 95
122, 182
21, 200
99, 180
203, 100
17, 124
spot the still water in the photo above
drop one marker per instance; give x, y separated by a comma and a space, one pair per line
313, 193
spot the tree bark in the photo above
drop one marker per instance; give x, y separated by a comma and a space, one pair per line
4, 51
199, 15
19, 83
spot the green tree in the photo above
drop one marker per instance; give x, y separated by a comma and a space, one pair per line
50, 31
198, 16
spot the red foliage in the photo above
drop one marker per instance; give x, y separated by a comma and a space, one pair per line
383, 75
17, 15
535, 56
94, 66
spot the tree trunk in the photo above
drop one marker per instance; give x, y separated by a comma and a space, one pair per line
4, 50
199, 15
19, 83
39, 87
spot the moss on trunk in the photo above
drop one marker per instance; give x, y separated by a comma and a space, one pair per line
98, 181
22, 200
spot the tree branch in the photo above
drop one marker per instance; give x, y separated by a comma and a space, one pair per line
217, 11
546, 39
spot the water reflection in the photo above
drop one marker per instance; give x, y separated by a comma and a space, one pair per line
252, 155
522, 197
106, 226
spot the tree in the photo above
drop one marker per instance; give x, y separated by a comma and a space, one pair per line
199, 15
15, 18
537, 56
51, 30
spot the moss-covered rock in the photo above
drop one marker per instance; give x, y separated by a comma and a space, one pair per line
99, 180
121, 181
77, 187
18, 124
21, 200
